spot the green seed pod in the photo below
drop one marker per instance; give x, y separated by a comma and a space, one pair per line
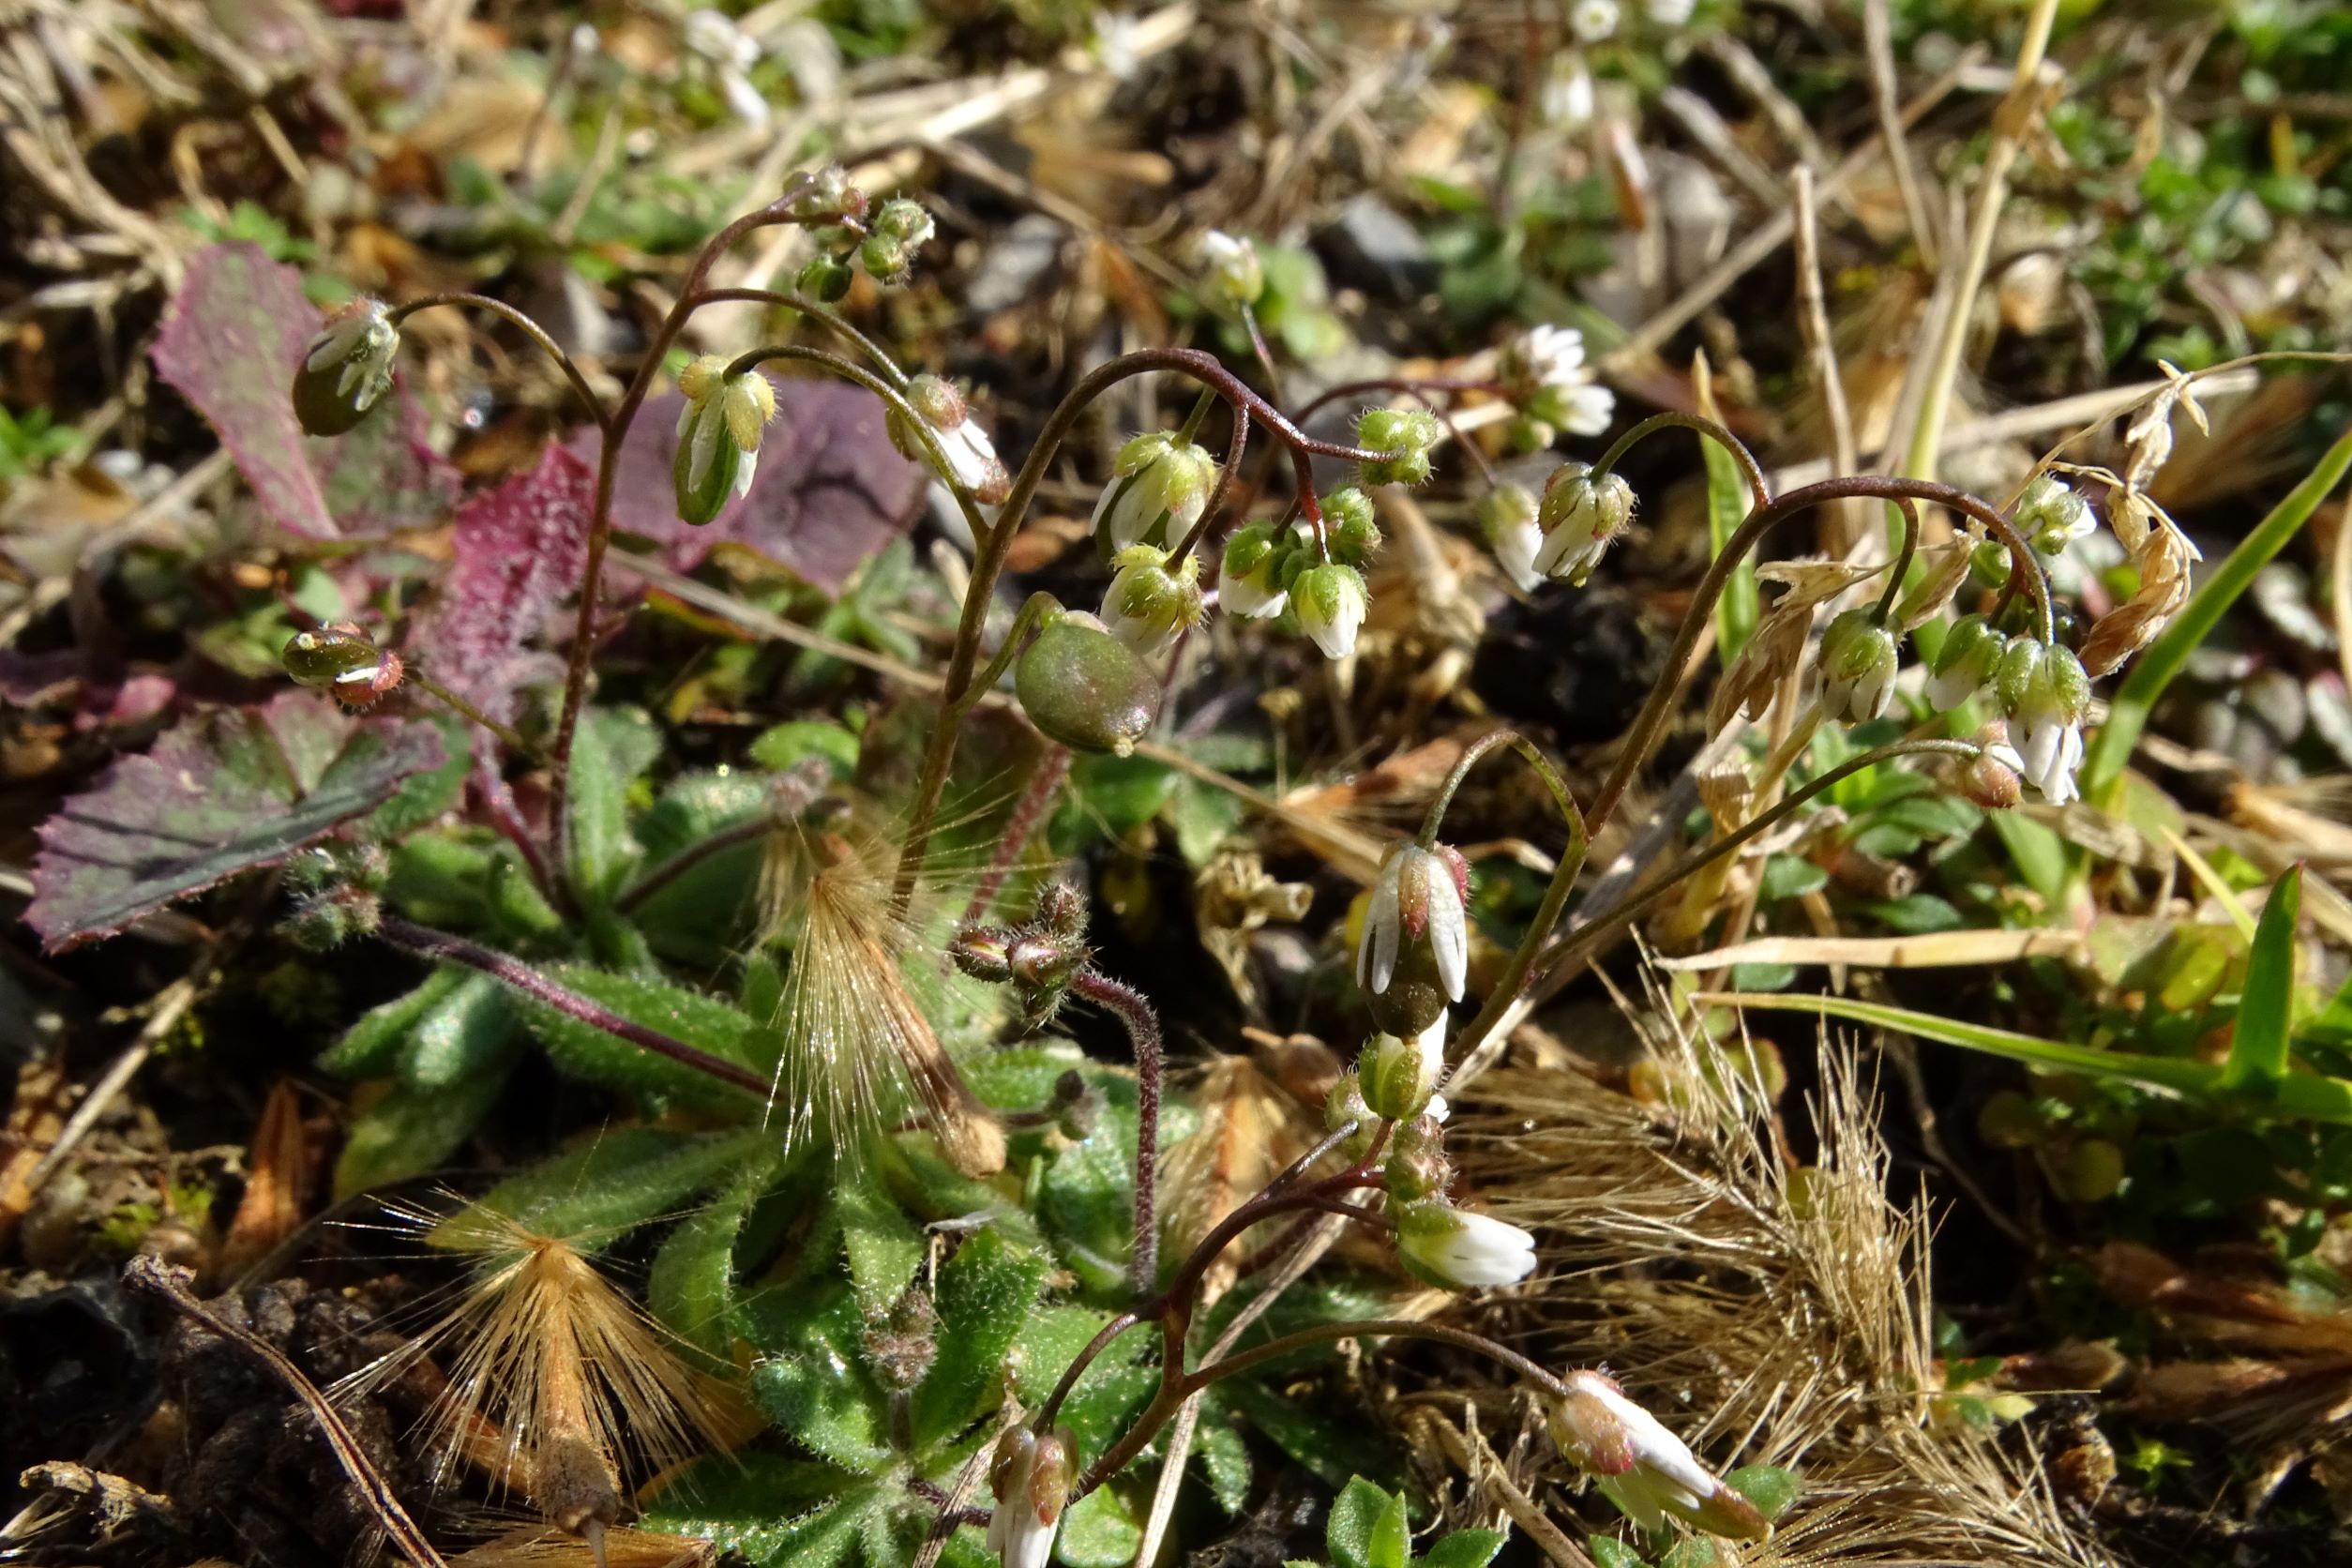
826, 278
1085, 688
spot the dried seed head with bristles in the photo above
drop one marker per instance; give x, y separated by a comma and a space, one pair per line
858, 1051
557, 1382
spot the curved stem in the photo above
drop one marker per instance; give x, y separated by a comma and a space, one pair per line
1749, 469
1652, 717
1079, 1362
616, 428
1215, 503
1904, 553
1478, 748
848, 370
988, 564
530, 329
810, 308
1422, 385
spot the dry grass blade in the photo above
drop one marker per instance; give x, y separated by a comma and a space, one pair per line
1790, 1304
1936, 950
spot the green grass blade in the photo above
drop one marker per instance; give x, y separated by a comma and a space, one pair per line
2305, 1096
2102, 767
1742, 603
2257, 1046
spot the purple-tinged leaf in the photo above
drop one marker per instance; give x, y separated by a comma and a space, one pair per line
831, 489
230, 343
515, 552
220, 793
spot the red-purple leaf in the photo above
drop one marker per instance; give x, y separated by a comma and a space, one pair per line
831, 489
230, 343
515, 552
220, 793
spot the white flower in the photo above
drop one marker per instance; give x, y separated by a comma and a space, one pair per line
1115, 35
1566, 101
2046, 696
1230, 270
1581, 516
971, 458
1858, 663
1593, 20
1148, 606
1030, 1479
1552, 353
1416, 903
1456, 1250
731, 53
1331, 602
1251, 583
1669, 13
718, 435
1518, 542
1645, 1470
1546, 375
1400, 1076
1154, 477
1971, 653
2052, 516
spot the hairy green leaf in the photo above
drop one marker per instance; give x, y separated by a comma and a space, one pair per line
2257, 1044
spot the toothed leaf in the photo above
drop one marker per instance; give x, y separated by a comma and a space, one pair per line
986, 1292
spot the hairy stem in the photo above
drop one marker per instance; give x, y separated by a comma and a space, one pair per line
1143, 1028
530, 329
616, 430
835, 321
1750, 469
1029, 813
445, 947
473, 714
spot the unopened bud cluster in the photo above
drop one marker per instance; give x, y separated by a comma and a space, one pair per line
851, 232
1039, 960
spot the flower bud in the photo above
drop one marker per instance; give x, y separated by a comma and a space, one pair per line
1349, 526
1230, 275
1593, 20
1414, 955
343, 661
1404, 438
1085, 688
2045, 697
1399, 1076
983, 952
1250, 584
1148, 606
1160, 487
1508, 517
970, 458
718, 435
826, 280
1649, 1472
1566, 100
899, 229
827, 193
1989, 566
2052, 516
1994, 779
1966, 663
1417, 1167
1456, 1250
1345, 1104
1042, 965
1859, 662
1581, 517
346, 368
1061, 910
1030, 1477
1330, 602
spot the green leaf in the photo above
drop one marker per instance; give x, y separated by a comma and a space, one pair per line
769, 1508
424, 797
2257, 1045
1727, 500
1788, 876
1225, 1462
2297, 1095
617, 1181
612, 747
1463, 1549
459, 1036
2036, 852
2217, 590
1327, 1448
691, 1287
883, 1246
705, 1022
1918, 915
1607, 1551
367, 1048
788, 743
833, 1411
1367, 1527
1772, 1488
986, 1292
1099, 1530
411, 1131
221, 792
